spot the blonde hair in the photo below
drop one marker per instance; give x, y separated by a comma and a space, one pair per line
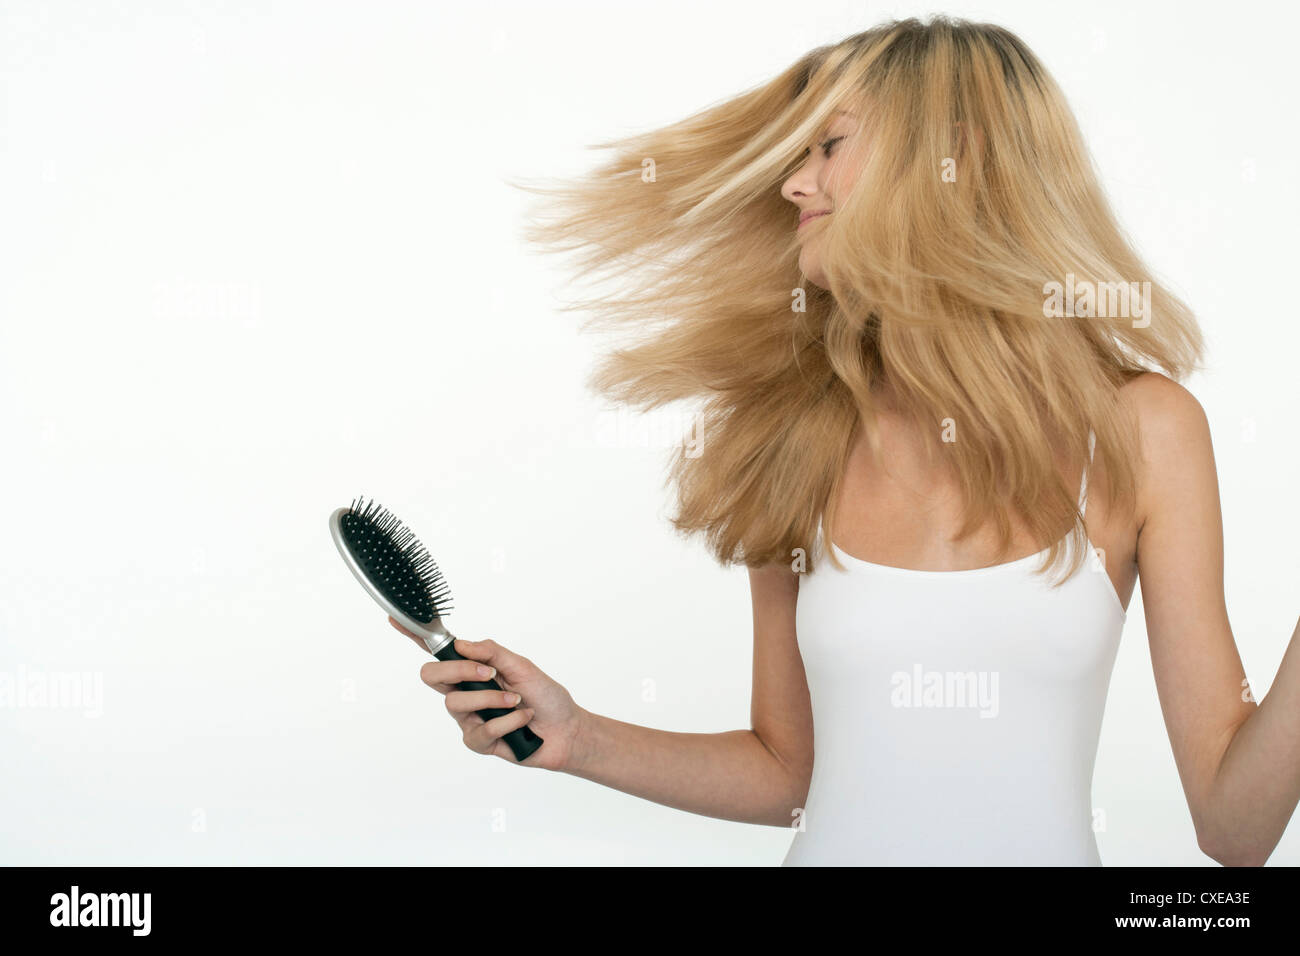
936, 289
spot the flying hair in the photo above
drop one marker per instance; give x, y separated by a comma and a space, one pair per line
936, 290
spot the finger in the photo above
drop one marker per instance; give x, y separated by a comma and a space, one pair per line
468, 722
473, 650
483, 739
490, 652
448, 673
467, 701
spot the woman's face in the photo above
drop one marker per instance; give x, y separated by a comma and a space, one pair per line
830, 169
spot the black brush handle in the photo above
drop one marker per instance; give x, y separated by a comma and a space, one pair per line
521, 740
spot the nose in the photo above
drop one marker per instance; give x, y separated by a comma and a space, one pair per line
802, 183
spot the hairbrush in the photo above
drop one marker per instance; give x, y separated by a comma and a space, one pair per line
397, 571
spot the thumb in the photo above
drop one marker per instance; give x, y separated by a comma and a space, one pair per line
415, 637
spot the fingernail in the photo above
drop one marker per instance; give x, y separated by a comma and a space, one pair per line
513, 698
484, 671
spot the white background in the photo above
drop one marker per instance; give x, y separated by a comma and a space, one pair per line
260, 259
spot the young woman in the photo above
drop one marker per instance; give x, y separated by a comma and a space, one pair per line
943, 432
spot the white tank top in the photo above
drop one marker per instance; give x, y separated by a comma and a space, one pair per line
955, 713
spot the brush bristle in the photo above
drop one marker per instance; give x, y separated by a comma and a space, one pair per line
395, 562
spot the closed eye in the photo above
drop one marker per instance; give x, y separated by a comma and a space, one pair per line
825, 146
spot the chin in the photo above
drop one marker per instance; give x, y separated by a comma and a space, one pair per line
812, 271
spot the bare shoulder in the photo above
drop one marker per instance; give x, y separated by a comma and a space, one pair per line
1161, 399
1173, 436
1169, 417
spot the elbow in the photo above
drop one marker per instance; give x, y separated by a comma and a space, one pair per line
790, 813
1237, 859
1228, 852
787, 784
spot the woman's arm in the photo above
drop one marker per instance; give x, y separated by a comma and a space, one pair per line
730, 775
750, 776
1239, 762
1259, 778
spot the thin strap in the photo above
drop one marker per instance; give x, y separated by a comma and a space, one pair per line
1083, 484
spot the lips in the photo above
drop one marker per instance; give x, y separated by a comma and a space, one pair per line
813, 214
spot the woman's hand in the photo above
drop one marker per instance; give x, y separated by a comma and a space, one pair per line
545, 706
